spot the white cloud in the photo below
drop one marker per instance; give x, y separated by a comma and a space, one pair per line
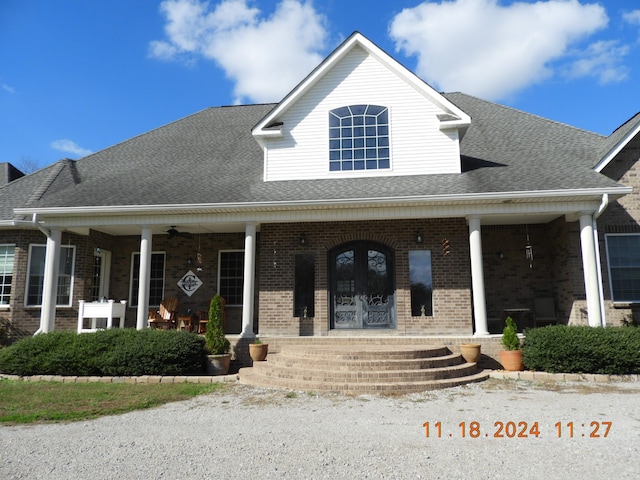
69, 146
602, 60
8, 88
490, 50
265, 56
632, 17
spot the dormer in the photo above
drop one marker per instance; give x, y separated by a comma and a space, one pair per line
361, 114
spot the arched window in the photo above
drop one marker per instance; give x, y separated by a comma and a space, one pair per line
359, 138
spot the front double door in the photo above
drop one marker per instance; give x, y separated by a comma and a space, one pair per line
362, 286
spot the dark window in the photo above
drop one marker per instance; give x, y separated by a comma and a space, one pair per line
35, 282
232, 276
304, 288
623, 252
156, 286
421, 283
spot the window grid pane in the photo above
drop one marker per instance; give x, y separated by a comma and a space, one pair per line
156, 285
359, 132
35, 282
7, 255
623, 252
232, 277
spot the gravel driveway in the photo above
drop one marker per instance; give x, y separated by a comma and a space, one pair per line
249, 433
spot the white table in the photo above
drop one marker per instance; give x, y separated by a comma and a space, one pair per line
94, 310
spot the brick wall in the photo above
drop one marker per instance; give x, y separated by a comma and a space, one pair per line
451, 273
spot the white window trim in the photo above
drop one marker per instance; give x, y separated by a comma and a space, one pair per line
73, 275
164, 277
220, 252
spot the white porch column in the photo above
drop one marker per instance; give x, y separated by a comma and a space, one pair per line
590, 268
145, 278
477, 277
50, 287
249, 276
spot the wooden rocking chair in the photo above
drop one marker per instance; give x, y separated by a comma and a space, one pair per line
165, 316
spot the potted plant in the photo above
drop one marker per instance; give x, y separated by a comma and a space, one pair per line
511, 356
217, 344
258, 350
470, 352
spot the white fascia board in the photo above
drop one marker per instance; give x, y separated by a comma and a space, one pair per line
615, 150
375, 51
493, 197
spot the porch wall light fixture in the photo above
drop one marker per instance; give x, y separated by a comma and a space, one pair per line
419, 237
302, 239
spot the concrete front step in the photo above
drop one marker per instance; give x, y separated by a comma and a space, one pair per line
385, 388
357, 369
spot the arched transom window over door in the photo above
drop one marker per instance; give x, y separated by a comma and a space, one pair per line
362, 286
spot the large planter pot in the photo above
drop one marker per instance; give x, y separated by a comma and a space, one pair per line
470, 352
511, 360
218, 364
258, 351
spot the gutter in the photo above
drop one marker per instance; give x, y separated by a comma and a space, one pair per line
247, 206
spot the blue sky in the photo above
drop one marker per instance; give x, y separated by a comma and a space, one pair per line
78, 76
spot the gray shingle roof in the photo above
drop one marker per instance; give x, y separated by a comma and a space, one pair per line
211, 157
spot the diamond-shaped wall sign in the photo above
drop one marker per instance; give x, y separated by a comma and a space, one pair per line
189, 283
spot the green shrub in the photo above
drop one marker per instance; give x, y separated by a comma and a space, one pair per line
216, 341
510, 340
109, 352
582, 349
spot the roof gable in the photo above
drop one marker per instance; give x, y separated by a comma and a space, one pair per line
619, 139
452, 116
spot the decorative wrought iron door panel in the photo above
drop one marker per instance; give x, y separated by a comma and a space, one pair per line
362, 287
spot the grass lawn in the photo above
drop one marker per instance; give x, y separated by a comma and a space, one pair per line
47, 402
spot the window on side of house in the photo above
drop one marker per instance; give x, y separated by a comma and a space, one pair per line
623, 253
420, 278
231, 276
156, 286
304, 285
359, 138
35, 279
7, 256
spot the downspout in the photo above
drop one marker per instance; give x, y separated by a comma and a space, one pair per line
603, 206
47, 233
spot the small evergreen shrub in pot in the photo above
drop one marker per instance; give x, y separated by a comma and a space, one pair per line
511, 356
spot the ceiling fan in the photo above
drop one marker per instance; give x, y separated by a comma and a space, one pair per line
173, 232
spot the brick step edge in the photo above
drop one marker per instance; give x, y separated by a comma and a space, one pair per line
265, 370
282, 359
394, 388
363, 352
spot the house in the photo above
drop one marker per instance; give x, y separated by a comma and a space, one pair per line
365, 202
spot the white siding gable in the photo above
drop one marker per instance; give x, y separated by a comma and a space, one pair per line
418, 144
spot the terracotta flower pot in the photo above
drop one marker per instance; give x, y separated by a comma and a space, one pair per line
470, 352
258, 351
511, 360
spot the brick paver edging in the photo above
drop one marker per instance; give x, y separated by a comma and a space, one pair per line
138, 379
562, 377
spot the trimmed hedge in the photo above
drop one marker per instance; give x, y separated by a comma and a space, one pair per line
115, 352
582, 349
